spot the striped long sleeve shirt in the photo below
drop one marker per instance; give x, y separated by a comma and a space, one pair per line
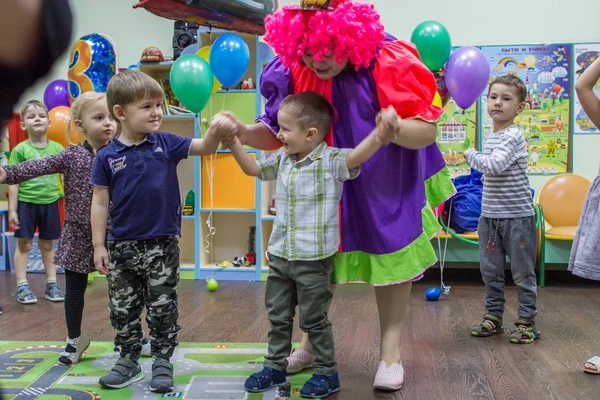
503, 162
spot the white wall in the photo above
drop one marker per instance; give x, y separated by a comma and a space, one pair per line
131, 30
470, 22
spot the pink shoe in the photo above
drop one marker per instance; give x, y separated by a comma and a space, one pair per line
389, 378
299, 360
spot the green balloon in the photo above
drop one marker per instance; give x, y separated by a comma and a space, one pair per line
433, 42
192, 81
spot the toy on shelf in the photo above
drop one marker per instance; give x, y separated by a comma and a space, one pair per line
188, 207
152, 54
225, 264
272, 207
241, 262
248, 84
236, 263
251, 255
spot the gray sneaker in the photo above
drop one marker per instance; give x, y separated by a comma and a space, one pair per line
25, 295
162, 376
124, 373
74, 350
54, 293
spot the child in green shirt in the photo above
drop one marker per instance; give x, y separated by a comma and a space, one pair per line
34, 204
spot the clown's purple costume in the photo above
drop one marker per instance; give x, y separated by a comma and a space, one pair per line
340, 51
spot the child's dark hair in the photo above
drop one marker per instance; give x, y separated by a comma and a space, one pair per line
514, 81
130, 86
310, 109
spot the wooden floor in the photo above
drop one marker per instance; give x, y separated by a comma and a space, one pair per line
442, 360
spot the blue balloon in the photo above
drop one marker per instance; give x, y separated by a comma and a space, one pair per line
229, 58
92, 63
433, 294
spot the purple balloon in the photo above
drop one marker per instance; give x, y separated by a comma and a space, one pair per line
57, 94
467, 75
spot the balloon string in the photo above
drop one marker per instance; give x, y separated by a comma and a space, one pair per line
210, 168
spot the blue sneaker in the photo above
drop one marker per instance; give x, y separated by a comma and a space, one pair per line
25, 295
265, 379
320, 386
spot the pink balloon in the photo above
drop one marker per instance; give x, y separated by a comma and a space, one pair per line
467, 75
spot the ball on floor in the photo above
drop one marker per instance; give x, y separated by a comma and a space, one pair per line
212, 284
433, 294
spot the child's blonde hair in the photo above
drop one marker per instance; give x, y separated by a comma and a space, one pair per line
130, 86
80, 106
32, 103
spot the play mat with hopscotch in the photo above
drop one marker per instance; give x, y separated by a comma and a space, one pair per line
203, 371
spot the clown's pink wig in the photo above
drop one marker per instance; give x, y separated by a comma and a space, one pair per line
352, 29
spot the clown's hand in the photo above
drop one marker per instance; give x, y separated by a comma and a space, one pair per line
388, 125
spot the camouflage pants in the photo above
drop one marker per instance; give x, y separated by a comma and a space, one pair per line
144, 272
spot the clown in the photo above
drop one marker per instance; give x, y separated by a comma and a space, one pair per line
340, 50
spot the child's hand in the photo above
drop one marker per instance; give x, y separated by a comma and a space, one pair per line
13, 220
2, 175
227, 144
101, 260
226, 126
467, 151
388, 125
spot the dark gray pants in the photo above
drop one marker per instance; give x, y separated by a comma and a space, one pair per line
306, 284
517, 239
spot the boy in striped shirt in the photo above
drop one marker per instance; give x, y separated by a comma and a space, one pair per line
507, 223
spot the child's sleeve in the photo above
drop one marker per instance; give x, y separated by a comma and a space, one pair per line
16, 155
339, 168
502, 157
269, 166
403, 81
100, 172
27, 170
179, 146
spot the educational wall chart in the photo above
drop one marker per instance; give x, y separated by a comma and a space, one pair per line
583, 56
546, 71
457, 131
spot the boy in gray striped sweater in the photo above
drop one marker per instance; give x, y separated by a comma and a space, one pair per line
507, 223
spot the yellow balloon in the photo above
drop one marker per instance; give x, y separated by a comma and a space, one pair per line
204, 52
437, 100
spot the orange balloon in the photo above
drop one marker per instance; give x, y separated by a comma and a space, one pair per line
59, 121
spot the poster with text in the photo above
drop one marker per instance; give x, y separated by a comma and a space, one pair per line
457, 131
546, 72
584, 55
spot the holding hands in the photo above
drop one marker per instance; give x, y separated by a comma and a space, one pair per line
389, 126
227, 127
